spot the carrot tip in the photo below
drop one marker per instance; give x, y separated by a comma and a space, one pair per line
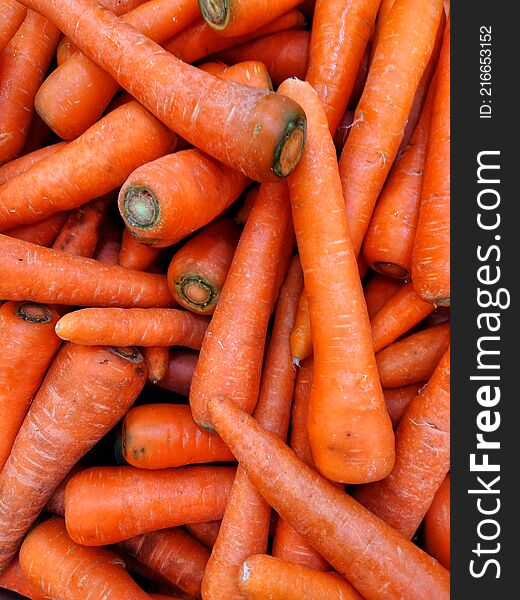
196, 292
33, 313
130, 353
141, 207
391, 269
215, 12
290, 148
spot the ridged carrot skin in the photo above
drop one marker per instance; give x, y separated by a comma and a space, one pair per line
173, 554
230, 360
12, 14
134, 255
62, 569
361, 547
74, 407
157, 359
133, 327
22, 164
42, 233
431, 251
30, 272
301, 335
340, 33
27, 346
400, 58
23, 65
179, 373
89, 167
76, 94
259, 133
437, 525
378, 291
263, 576
349, 429
97, 509
398, 399
206, 533
159, 436
422, 458
13, 579
414, 358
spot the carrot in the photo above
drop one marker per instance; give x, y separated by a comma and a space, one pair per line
30, 272
62, 569
27, 346
134, 255
400, 58
258, 133
138, 327
97, 510
158, 436
42, 233
378, 291
179, 373
301, 335
234, 542
389, 240
205, 532
109, 245
288, 544
431, 251
14, 580
56, 503
231, 355
398, 399
250, 72
76, 94
284, 53
422, 458
37, 137
357, 544
238, 17
22, 164
397, 316
247, 205
263, 576
199, 269
437, 525
12, 15
340, 33
199, 40
80, 233
156, 359
382, 17
174, 555
414, 358
349, 429
23, 64
74, 407
90, 166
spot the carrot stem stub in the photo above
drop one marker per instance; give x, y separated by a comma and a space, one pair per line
141, 207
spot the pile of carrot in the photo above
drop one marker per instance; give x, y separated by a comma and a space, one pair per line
224, 299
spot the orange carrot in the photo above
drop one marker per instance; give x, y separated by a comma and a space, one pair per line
62, 569
30, 272
414, 358
398, 399
205, 532
136, 326
90, 166
284, 53
238, 17
349, 429
80, 233
382, 16
97, 510
231, 356
340, 33
12, 14
109, 245
250, 72
173, 554
199, 40
37, 137
263, 576
422, 458
134, 255
23, 64
378, 291
22, 164
389, 240
357, 544
437, 525
74, 407
179, 373
288, 544
234, 542
301, 335
248, 203
158, 436
400, 58
199, 269
27, 346
43, 232
431, 251
56, 503
156, 359
14, 580
76, 94
397, 316
259, 133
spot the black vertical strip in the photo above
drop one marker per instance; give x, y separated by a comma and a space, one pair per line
485, 538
